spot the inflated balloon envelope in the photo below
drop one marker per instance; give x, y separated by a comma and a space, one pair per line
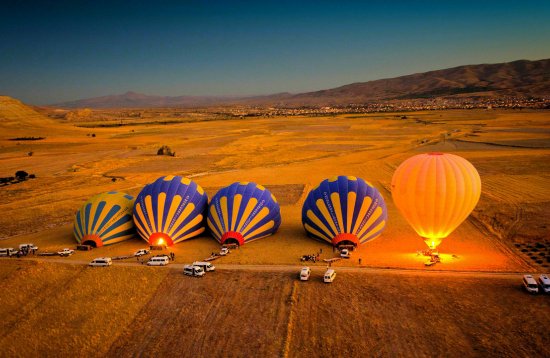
170, 210
344, 210
435, 192
105, 219
243, 212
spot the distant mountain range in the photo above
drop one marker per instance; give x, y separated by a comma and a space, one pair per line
518, 78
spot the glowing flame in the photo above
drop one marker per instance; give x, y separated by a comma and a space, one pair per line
160, 241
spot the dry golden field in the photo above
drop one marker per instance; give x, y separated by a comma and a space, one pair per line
264, 312
63, 310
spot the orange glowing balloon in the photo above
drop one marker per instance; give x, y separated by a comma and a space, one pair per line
435, 192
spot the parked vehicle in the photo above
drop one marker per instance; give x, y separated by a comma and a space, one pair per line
530, 284
544, 282
10, 251
206, 266
305, 272
158, 261
345, 254
141, 252
28, 247
65, 252
101, 261
192, 270
224, 251
330, 274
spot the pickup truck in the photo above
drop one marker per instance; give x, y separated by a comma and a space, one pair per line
141, 252
65, 252
224, 251
345, 254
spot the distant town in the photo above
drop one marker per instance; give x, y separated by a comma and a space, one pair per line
412, 105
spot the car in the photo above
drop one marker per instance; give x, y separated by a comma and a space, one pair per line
206, 266
141, 252
65, 252
101, 261
305, 272
544, 282
162, 260
224, 251
345, 254
192, 270
530, 284
329, 276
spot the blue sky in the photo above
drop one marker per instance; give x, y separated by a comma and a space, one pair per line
53, 51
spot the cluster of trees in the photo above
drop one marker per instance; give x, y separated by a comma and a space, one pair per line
20, 176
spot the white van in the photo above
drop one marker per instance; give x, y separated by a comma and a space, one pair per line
206, 266
345, 254
530, 284
158, 261
305, 272
191, 270
544, 282
10, 251
329, 276
101, 261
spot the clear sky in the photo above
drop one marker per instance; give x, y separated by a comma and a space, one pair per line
53, 51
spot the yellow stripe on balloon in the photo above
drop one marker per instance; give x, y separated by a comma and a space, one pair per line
149, 207
142, 232
216, 217
376, 228
236, 206
139, 211
200, 189
249, 207
102, 216
168, 178
317, 233
362, 212
375, 215
184, 215
214, 228
318, 222
160, 211
176, 200
259, 217
261, 229
93, 209
225, 213
322, 206
335, 198
190, 235
196, 220
185, 181
352, 196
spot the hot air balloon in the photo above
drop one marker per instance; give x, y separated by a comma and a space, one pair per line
435, 192
344, 210
105, 219
243, 212
170, 210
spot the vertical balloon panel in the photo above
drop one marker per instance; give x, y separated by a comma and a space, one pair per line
243, 212
170, 210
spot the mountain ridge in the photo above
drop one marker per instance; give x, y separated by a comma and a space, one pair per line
516, 78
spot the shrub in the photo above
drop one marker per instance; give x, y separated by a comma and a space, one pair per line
165, 150
21, 175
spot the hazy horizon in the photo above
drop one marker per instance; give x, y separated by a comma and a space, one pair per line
66, 51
